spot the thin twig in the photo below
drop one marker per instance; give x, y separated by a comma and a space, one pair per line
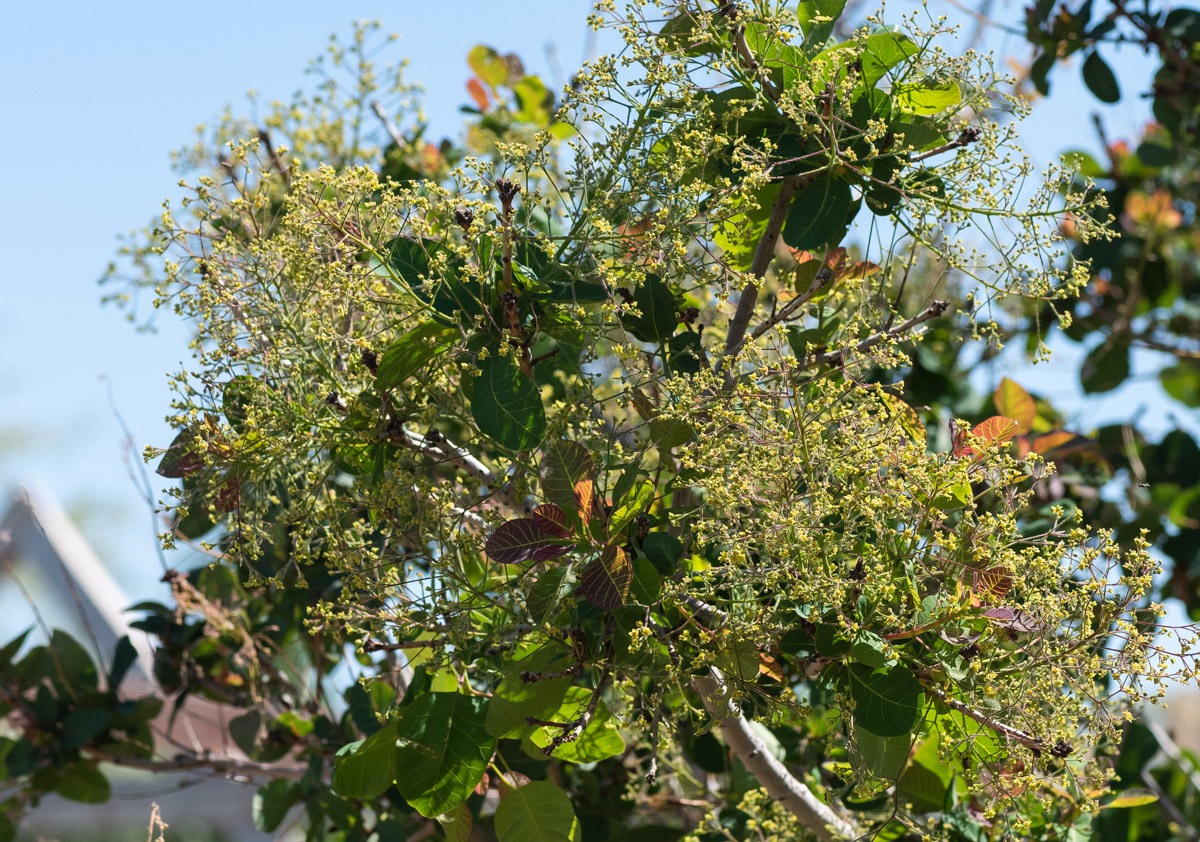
379, 646
1014, 734
392, 131
966, 137
934, 310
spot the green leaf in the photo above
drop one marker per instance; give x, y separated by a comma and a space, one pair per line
535, 101
831, 641
409, 258
739, 660
647, 585
1099, 78
506, 405
666, 433
886, 702
605, 581
658, 318
923, 787
515, 699
246, 730
564, 465
883, 51
868, 649
411, 351
817, 214
10, 649
81, 725
445, 752
881, 756
1182, 382
236, 395
738, 236
816, 30
271, 804
1131, 798
636, 501
368, 768
536, 812
456, 824
73, 665
1105, 367
124, 657
544, 596
663, 550
600, 739
83, 783
927, 99
488, 65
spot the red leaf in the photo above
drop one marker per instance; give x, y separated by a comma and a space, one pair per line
605, 582
478, 93
584, 494
565, 465
1014, 402
519, 540
993, 583
995, 430
1060, 443
552, 520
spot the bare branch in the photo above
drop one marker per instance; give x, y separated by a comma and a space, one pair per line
1014, 734
225, 767
780, 784
968, 136
392, 131
934, 310
763, 254
437, 446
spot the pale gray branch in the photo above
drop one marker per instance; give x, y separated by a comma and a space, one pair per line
780, 784
226, 767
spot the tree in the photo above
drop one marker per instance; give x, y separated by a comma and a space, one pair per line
586, 443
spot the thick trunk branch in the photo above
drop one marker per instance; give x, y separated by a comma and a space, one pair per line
793, 794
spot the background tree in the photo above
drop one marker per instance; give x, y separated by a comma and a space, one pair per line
586, 442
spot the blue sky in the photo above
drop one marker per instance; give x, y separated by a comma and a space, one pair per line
99, 94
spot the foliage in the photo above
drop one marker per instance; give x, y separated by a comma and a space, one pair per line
590, 441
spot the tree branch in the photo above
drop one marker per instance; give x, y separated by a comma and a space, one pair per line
392, 131
1014, 734
226, 767
934, 310
437, 446
763, 254
817, 816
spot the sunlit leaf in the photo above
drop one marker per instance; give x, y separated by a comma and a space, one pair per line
1014, 402
536, 812
565, 464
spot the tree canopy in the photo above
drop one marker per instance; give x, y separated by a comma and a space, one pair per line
613, 471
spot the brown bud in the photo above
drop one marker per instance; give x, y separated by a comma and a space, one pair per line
464, 217
508, 191
370, 360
